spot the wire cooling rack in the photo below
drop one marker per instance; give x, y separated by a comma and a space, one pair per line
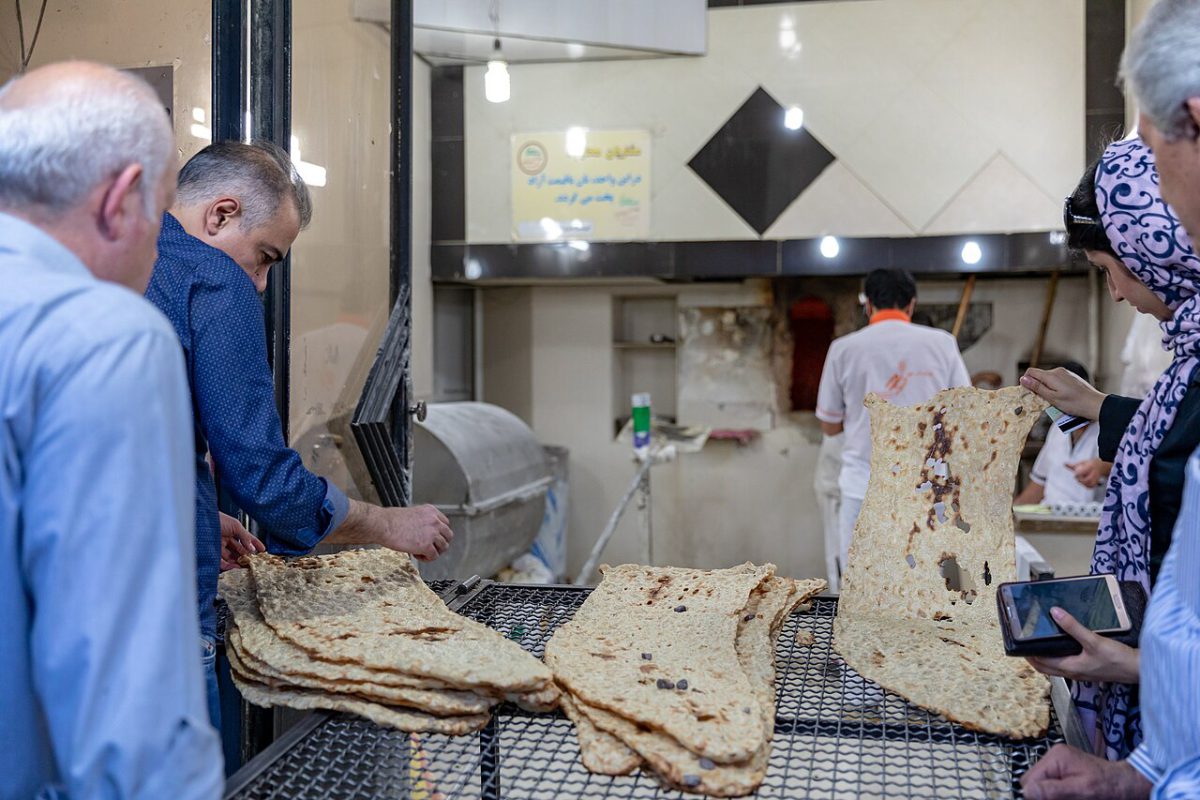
837, 735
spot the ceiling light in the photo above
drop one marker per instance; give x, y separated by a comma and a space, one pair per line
787, 34
580, 245
496, 87
201, 132
971, 253
830, 247
576, 144
198, 115
793, 118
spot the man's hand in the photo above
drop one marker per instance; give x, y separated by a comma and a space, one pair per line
1065, 773
236, 542
1103, 660
422, 531
1091, 473
1066, 391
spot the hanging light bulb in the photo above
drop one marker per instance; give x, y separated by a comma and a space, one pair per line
495, 80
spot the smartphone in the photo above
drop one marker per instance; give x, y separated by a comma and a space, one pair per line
1065, 422
1094, 600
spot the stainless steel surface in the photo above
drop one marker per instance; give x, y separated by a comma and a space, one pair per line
486, 471
836, 735
1068, 715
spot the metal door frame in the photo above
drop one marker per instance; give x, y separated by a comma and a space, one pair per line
252, 100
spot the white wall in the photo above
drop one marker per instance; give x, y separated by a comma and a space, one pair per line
945, 117
549, 358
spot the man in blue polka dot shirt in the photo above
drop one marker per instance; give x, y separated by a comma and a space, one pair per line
239, 208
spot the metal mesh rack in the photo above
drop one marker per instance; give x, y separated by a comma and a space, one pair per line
836, 735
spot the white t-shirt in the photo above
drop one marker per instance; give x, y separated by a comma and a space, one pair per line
1050, 469
903, 363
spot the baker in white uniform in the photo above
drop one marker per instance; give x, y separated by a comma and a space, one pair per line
1068, 469
902, 362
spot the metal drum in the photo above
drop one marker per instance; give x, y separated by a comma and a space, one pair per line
485, 470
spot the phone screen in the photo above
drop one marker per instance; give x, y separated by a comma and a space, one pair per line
1089, 601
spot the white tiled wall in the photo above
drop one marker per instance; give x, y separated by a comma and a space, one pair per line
945, 116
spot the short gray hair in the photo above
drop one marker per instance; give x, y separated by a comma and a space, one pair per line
259, 175
1162, 65
56, 150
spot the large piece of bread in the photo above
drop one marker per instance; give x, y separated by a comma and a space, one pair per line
371, 609
683, 769
601, 752
613, 743
940, 490
281, 664
642, 631
258, 693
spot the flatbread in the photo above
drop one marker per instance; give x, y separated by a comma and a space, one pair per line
961, 674
601, 752
403, 719
598, 655
371, 608
941, 490
282, 664
258, 638
678, 767
539, 702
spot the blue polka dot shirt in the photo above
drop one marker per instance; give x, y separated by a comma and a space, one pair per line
218, 316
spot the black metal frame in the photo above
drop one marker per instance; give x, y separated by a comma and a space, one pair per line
268, 24
271, 120
381, 424
266, 70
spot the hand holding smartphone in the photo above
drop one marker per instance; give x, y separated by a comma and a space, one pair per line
1100, 602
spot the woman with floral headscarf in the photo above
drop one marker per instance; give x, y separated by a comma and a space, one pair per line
1118, 218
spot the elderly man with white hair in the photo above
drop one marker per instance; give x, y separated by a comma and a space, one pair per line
102, 694
1162, 68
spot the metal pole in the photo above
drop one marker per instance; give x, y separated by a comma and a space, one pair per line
598, 549
400, 284
647, 516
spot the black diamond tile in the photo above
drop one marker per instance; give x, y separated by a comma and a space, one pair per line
758, 166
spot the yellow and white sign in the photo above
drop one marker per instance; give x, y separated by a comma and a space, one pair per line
580, 184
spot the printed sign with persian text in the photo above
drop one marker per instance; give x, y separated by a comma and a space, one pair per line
581, 185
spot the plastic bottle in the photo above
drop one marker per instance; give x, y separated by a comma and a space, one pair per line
641, 424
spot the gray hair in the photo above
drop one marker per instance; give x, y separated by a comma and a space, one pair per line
1162, 65
259, 175
79, 133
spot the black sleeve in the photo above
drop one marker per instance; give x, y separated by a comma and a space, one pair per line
1115, 415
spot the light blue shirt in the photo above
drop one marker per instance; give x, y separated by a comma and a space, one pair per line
101, 690
1169, 755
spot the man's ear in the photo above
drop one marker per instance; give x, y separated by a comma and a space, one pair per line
113, 215
221, 213
911, 307
1193, 108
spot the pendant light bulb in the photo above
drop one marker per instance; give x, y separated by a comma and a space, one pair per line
495, 81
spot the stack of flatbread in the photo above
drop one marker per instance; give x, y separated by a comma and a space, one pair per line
917, 613
673, 670
359, 631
